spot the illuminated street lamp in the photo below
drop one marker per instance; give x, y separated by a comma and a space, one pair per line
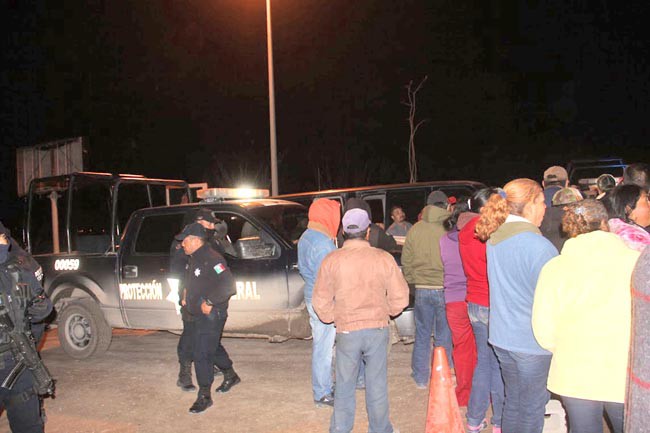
274, 150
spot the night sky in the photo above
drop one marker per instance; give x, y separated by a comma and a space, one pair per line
178, 89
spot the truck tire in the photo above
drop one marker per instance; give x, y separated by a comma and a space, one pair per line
82, 330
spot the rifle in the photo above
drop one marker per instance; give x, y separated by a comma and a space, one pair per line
24, 352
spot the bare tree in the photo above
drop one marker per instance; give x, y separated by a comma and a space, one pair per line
410, 93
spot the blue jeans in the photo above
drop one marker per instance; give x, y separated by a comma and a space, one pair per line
487, 381
430, 317
353, 348
321, 354
524, 377
586, 416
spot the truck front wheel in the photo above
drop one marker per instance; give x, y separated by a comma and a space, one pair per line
83, 331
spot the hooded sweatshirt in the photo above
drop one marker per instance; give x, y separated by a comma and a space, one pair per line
325, 216
516, 253
317, 241
421, 261
582, 314
454, 277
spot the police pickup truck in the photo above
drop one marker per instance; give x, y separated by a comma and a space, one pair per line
104, 269
130, 289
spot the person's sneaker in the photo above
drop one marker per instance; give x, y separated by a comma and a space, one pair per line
421, 385
327, 400
478, 428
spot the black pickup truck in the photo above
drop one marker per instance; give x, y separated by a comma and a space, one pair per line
130, 288
103, 243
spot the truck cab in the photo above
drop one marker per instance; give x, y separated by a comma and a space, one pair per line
260, 248
74, 226
583, 173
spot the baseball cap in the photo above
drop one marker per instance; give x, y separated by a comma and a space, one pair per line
206, 215
606, 182
566, 196
194, 229
555, 174
355, 221
437, 198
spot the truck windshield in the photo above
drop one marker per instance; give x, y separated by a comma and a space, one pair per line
289, 220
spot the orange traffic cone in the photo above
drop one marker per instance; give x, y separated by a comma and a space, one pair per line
443, 414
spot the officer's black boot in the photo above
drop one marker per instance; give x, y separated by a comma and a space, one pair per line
185, 377
203, 401
230, 379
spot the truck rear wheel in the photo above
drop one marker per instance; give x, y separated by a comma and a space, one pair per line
83, 331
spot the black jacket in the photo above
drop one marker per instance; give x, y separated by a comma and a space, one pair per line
378, 237
551, 226
208, 278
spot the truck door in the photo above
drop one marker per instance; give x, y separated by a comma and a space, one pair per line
148, 300
254, 258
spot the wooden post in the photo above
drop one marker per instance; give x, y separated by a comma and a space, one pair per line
55, 222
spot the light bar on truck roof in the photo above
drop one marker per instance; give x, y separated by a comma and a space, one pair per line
216, 194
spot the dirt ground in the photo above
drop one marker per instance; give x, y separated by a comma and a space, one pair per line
132, 389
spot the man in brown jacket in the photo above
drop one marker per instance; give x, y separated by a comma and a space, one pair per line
358, 288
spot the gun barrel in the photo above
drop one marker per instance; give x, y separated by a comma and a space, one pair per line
13, 376
27, 354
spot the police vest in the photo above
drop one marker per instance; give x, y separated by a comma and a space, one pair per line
13, 300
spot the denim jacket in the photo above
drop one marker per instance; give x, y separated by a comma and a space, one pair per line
313, 246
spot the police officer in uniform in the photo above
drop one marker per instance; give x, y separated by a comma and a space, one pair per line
19, 286
177, 270
216, 231
209, 286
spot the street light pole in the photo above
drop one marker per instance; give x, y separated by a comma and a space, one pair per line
274, 149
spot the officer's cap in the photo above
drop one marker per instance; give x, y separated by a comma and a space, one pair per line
194, 229
206, 215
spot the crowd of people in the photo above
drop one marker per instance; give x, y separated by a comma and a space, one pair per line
527, 287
